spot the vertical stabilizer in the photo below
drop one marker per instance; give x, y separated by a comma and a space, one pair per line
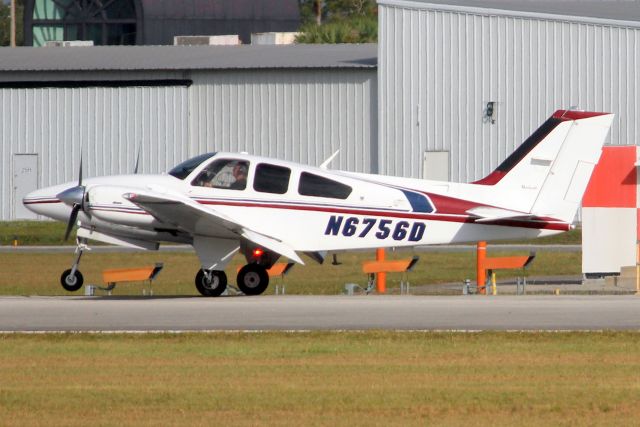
549, 172
562, 191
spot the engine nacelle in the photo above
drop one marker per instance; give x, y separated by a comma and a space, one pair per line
106, 203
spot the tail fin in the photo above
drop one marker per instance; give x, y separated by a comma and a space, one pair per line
547, 175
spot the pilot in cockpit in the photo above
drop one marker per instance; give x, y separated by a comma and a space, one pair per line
224, 174
240, 176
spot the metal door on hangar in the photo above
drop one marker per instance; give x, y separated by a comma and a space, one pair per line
25, 180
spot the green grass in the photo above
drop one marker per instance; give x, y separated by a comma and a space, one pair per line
33, 233
39, 273
321, 378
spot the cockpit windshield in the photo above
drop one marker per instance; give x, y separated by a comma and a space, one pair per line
185, 168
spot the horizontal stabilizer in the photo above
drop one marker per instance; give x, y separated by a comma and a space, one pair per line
489, 214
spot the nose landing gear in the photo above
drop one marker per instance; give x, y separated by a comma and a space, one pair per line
71, 279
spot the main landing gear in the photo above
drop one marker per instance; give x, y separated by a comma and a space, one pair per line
211, 283
72, 280
253, 279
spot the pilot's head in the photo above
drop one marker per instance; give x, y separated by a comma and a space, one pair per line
240, 171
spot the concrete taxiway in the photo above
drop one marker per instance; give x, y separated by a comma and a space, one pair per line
320, 313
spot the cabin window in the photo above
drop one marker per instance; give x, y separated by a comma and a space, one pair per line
185, 168
271, 179
227, 174
318, 186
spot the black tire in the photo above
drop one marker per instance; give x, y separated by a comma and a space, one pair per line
71, 283
253, 279
214, 287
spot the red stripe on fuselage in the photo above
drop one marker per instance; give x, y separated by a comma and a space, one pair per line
543, 223
40, 202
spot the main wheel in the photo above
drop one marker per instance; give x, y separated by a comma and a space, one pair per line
253, 279
71, 282
213, 286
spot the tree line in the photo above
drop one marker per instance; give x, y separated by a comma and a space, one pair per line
338, 21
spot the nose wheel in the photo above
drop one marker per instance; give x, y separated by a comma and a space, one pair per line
71, 280
253, 279
211, 283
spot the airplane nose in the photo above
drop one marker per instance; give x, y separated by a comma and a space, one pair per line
46, 202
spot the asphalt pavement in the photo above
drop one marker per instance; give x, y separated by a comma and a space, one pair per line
298, 313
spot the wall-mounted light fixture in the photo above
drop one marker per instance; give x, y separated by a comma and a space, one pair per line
490, 112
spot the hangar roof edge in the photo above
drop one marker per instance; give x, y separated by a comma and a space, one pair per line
140, 58
611, 12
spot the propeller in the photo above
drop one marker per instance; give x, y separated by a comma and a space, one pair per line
73, 197
135, 168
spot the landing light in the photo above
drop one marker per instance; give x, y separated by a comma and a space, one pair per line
257, 253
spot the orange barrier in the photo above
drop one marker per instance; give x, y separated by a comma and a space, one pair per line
391, 266
130, 274
394, 266
279, 269
485, 263
509, 262
140, 274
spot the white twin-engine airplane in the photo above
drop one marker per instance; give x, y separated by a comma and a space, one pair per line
222, 203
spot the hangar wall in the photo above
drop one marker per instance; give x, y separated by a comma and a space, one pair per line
439, 65
300, 115
108, 124
303, 116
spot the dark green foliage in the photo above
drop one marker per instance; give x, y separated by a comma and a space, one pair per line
360, 30
343, 21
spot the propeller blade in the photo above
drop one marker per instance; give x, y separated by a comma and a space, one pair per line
135, 169
80, 172
72, 221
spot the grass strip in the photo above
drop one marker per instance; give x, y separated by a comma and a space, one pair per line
321, 378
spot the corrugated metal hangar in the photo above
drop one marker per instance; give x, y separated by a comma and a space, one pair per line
442, 62
298, 103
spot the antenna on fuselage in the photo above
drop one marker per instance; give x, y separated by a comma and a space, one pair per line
326, 162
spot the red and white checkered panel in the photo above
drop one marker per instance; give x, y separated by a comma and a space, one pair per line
610, 213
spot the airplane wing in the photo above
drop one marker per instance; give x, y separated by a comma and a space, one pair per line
489, 214
190, 216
